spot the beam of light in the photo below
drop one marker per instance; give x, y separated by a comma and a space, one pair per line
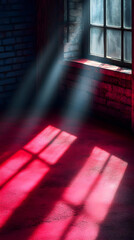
81, 97
17, 190
29, 82
58, 147
79, 101
45, 95
29, 85
48, 89
13, 164
82, 183
42, 139
52, 228
50, 83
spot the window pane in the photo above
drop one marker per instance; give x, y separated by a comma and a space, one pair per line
127, 13
97, 41
114, 44
113, 13
96, 12
127, 46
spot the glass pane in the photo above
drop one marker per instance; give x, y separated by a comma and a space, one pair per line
113, 13
96, 12
127, 46
113, 44
127, 13
97, 41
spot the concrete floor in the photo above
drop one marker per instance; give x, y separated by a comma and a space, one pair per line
60, 181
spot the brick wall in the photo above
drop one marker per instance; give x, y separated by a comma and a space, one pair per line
72, 29
17, 45
104, 94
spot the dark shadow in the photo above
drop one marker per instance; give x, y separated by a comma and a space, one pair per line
119, 221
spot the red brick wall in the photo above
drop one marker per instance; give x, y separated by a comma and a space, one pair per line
110, 96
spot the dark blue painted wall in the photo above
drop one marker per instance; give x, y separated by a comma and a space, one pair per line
17, 45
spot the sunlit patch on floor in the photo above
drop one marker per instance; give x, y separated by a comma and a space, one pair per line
23, 171
58, 147
42, 139
87, 177
10, 167
86, 202
17, 190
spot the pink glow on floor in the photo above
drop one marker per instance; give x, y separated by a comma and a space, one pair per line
12, 165
68, 208
82, 228
18, 189
52, 228
42, 139
58, 147
22, 183
94, 188
100, 199
82, 183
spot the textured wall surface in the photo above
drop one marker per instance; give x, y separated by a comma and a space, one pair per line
17, 44
72, 28
108, 95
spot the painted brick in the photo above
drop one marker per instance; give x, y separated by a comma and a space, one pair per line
1, 89
7, 54
1, 49
113, 104
1, 62
118, 90
10, 87
107, 98
7, 81
17, 44
100, 100
8, 41
9, 48
128, 92
5, 68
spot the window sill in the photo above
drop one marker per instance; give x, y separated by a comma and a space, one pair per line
102, 68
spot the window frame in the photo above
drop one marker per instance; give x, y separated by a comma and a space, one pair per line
86, 42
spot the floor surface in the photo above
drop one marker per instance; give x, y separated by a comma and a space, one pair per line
62, 181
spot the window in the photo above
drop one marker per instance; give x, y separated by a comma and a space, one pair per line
110, 31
